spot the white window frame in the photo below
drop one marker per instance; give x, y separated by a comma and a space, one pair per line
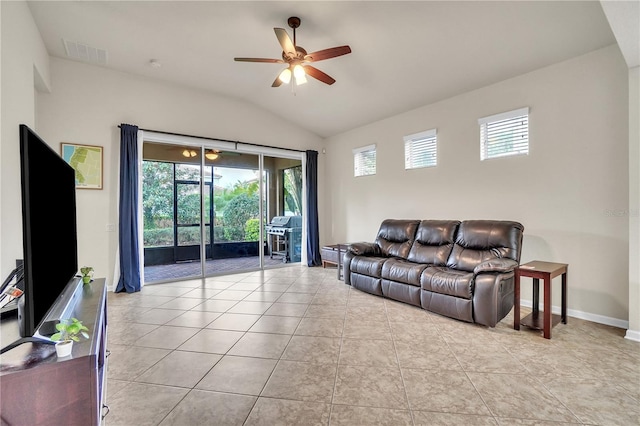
418, 147
359, 157
516, 121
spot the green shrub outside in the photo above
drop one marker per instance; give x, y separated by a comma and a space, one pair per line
236, 214
252, 230
158, 237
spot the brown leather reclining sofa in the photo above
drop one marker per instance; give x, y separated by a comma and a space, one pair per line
463, 270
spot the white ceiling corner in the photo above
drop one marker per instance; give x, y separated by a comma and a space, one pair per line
624, 18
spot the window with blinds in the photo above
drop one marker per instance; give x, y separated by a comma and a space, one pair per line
421, 150
364, 161
504, 134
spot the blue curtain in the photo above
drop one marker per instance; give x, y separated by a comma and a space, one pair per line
313, 234
128, 232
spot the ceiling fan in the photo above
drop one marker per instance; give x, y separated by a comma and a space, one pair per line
298, 59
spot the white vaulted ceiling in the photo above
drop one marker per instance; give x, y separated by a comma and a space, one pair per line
405, 54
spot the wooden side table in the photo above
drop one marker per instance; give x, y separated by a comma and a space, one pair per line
332, 255
537, 320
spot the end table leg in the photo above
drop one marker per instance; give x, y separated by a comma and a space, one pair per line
535, 305
516, 302
547, 307
564, 297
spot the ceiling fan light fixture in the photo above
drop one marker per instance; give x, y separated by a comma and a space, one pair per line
189, 153
299, 74
211, 155
285, 76
301, 80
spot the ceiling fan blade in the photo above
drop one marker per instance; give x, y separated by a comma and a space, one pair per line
319, 75
277, 82
272, 61
285, 41
332, 52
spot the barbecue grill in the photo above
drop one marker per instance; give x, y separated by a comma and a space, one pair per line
285, 237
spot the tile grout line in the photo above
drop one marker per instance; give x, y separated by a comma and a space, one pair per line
335, 380
395, 350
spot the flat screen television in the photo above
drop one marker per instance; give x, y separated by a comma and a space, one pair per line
48, 230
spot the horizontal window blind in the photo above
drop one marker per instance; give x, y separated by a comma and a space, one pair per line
421, 150
504, 134
364, 161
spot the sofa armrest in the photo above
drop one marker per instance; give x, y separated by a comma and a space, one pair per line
364, 249
358, 249
492, 297
495, 265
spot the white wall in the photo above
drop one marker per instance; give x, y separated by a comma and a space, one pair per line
25, 64
634, 204
86, 105
1, 134
570, 192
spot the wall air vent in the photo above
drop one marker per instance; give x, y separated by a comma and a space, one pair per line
82, 52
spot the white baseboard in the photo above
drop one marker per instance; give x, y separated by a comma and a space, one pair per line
633, 335
600, 319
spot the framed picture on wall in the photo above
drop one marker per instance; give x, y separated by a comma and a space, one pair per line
86, 160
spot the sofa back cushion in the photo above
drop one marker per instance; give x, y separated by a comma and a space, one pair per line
395, 237
433, 242
480, 240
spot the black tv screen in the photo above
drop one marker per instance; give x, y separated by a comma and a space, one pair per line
48, 227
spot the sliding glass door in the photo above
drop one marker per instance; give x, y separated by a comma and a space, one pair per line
172, 219
284, 210
236, 228
207, 211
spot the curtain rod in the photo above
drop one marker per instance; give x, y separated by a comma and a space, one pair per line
220, 140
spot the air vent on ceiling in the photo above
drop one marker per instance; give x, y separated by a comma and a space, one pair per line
82, 52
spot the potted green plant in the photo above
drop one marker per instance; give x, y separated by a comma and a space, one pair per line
87, 273
69, 331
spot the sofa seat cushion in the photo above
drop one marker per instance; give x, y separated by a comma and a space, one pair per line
370, 266
403, 271
447, 281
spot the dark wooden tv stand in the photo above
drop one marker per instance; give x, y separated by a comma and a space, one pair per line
37, 388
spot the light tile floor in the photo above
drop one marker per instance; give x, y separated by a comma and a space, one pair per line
295, 346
